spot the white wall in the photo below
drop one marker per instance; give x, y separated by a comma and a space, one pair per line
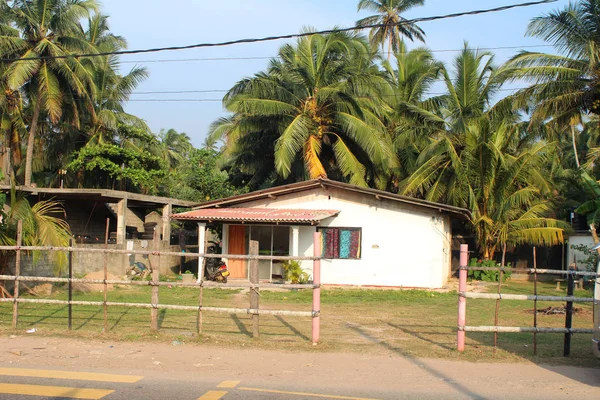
402, 245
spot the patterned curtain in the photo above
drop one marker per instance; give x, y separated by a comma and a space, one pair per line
340, 243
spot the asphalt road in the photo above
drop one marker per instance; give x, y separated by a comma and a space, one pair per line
61, 368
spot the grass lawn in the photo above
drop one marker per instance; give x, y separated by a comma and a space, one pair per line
414, 323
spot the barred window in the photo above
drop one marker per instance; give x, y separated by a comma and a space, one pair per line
341, 243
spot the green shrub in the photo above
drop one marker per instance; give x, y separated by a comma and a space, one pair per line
487, 276
294, 272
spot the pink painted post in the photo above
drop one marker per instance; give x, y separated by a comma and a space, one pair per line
462, 301
316, 304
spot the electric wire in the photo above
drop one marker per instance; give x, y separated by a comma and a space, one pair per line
280, 37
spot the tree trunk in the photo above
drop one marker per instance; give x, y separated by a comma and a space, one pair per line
574, 145
6, 162
31, 141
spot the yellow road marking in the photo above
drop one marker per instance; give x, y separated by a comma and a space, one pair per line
228, 384
54, 391
80, 376
212, 395
327, 396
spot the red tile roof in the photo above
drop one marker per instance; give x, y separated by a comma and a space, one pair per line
256, 215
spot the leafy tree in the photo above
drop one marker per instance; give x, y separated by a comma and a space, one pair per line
394, 26
175, 146
39, 28
319, 99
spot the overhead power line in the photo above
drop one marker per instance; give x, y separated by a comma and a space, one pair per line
289, 36
271, 57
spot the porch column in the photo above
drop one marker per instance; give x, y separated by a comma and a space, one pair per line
121, 222
166, 222
201, 248
295, 240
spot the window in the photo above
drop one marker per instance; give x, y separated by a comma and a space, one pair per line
343, 243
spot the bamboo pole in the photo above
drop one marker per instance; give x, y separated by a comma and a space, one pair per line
106, 276
155, 279
205, 284
535, 292
494, 296
225, 310
253, 291
15, 316
524, 329
462, 300
156, 253
500, 278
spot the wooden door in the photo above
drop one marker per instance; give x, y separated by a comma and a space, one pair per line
237, 245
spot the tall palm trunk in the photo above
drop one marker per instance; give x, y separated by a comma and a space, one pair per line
31, 140
574, 145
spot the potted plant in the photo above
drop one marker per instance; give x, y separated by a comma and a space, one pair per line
294, 272
187, 277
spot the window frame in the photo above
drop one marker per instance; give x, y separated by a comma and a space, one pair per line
343, 228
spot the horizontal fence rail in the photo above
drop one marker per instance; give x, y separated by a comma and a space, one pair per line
76, 249
206, 284
227, 310
532, 270
501, 296
525, 329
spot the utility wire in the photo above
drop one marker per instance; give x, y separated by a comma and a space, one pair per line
272, 57
290, 36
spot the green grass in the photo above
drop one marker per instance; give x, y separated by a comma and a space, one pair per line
408, 322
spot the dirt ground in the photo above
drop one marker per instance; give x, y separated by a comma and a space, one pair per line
390, 371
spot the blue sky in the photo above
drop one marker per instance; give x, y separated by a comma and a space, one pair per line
158, 23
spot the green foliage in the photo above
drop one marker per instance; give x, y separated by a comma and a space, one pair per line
487, 276
294, 272
590, 262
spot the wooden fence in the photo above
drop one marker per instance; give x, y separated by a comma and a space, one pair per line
253, 284
463, 295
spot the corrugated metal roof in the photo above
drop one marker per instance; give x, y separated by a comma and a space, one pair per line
277, 215
276, 191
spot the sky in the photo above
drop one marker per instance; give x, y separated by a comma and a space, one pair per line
159, 23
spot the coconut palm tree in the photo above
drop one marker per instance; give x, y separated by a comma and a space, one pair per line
564, 86
392, 25
413, 118
321, 99
486, 162
175, 146
47, 28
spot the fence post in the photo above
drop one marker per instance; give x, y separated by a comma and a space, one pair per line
17, 274
500, 278
155, 279
70, 284
106, 275
535, 293
569, 314
462, 300
253, 290
316, 303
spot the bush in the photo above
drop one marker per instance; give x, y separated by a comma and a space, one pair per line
294, 272
487, 276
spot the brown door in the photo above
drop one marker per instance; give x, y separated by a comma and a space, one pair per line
237, 245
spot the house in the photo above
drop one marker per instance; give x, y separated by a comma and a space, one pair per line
132, 223
369, 237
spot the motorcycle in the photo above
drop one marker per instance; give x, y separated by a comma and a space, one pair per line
215, 269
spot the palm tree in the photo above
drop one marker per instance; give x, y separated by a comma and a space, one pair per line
568, 85
41, 227
393, 25
47, 28
485, 161
321, 100
413, 118
175, 146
